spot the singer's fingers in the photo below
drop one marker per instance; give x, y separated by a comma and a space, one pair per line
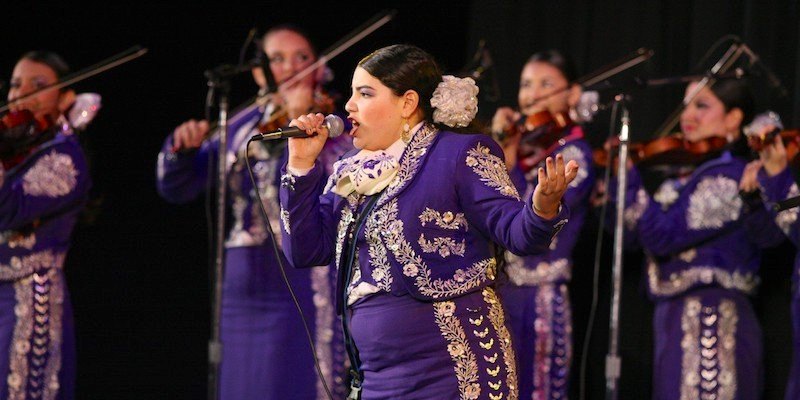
571, 172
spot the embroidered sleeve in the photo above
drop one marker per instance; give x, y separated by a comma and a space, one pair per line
53, 175
52, 180
491, 170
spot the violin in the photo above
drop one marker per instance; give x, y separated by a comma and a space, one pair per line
21, 132
279, 118
668, 150
757, 141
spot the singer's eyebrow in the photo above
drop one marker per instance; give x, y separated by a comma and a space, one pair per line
363, 87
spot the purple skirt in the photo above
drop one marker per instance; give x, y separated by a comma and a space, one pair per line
541, 327
265, 349
707, 345
442, 350
37, 338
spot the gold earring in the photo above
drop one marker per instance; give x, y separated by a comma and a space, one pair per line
406, 136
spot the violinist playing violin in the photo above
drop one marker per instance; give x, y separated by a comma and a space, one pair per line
266, 354
536, 295
701, 264
45, 185
772, 179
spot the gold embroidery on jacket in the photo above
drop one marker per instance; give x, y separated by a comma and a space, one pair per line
496, 316
492, 170
461, 282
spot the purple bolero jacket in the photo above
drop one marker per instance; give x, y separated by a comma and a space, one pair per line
432, 231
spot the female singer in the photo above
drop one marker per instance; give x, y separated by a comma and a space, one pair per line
774, 180
702, 264
45, 184
412, 221
266, 353
536, 295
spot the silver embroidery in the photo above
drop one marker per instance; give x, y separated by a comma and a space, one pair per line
381, 268
285, 220
445, 246
680, 282
16, 239
445, 220
785, 219
492, 170
690, 362
461, 282
688, 255
19, 267
726, 330
410, 162
53, 175
572, 152
544, 272
324, 325
666, 194
635, 210
714, 202
497, 318
466, 364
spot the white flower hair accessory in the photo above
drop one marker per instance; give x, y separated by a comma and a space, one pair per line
455, 101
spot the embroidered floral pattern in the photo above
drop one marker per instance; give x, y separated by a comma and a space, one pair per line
410, 162
462, 281
690, 361
685, 279
443, 245
636, 210
708, 367
544, 272
53, 175
785, 219
714, 202
572, 152
492, 170
20, 267
666, 194
381, 268
285, 220
14, 239
35, 354
466, 364
497, 318
445, 220
726, 330
323, 320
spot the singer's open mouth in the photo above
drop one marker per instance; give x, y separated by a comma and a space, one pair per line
355, 125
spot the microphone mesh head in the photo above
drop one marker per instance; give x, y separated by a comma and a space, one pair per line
334, 124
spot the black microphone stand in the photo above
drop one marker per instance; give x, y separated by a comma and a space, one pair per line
219, 84
613, 361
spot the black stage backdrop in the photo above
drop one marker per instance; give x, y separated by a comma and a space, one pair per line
139, 270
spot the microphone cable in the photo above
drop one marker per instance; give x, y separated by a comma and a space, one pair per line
278, 257
596, 274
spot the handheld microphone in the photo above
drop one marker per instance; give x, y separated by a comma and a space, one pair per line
333, 123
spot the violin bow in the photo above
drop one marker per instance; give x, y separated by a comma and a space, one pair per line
102, 66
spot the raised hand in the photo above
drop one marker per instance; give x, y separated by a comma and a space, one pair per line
553, 183
189, 135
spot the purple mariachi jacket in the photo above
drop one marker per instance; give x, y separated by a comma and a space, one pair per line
694, 230
430, 233
555, 266
40, 201
777, 188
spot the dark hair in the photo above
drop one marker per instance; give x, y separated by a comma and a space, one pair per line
736, 93
558, 60
49, 58
291, 28
404, 67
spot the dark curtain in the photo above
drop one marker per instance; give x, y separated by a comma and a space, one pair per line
596, 33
